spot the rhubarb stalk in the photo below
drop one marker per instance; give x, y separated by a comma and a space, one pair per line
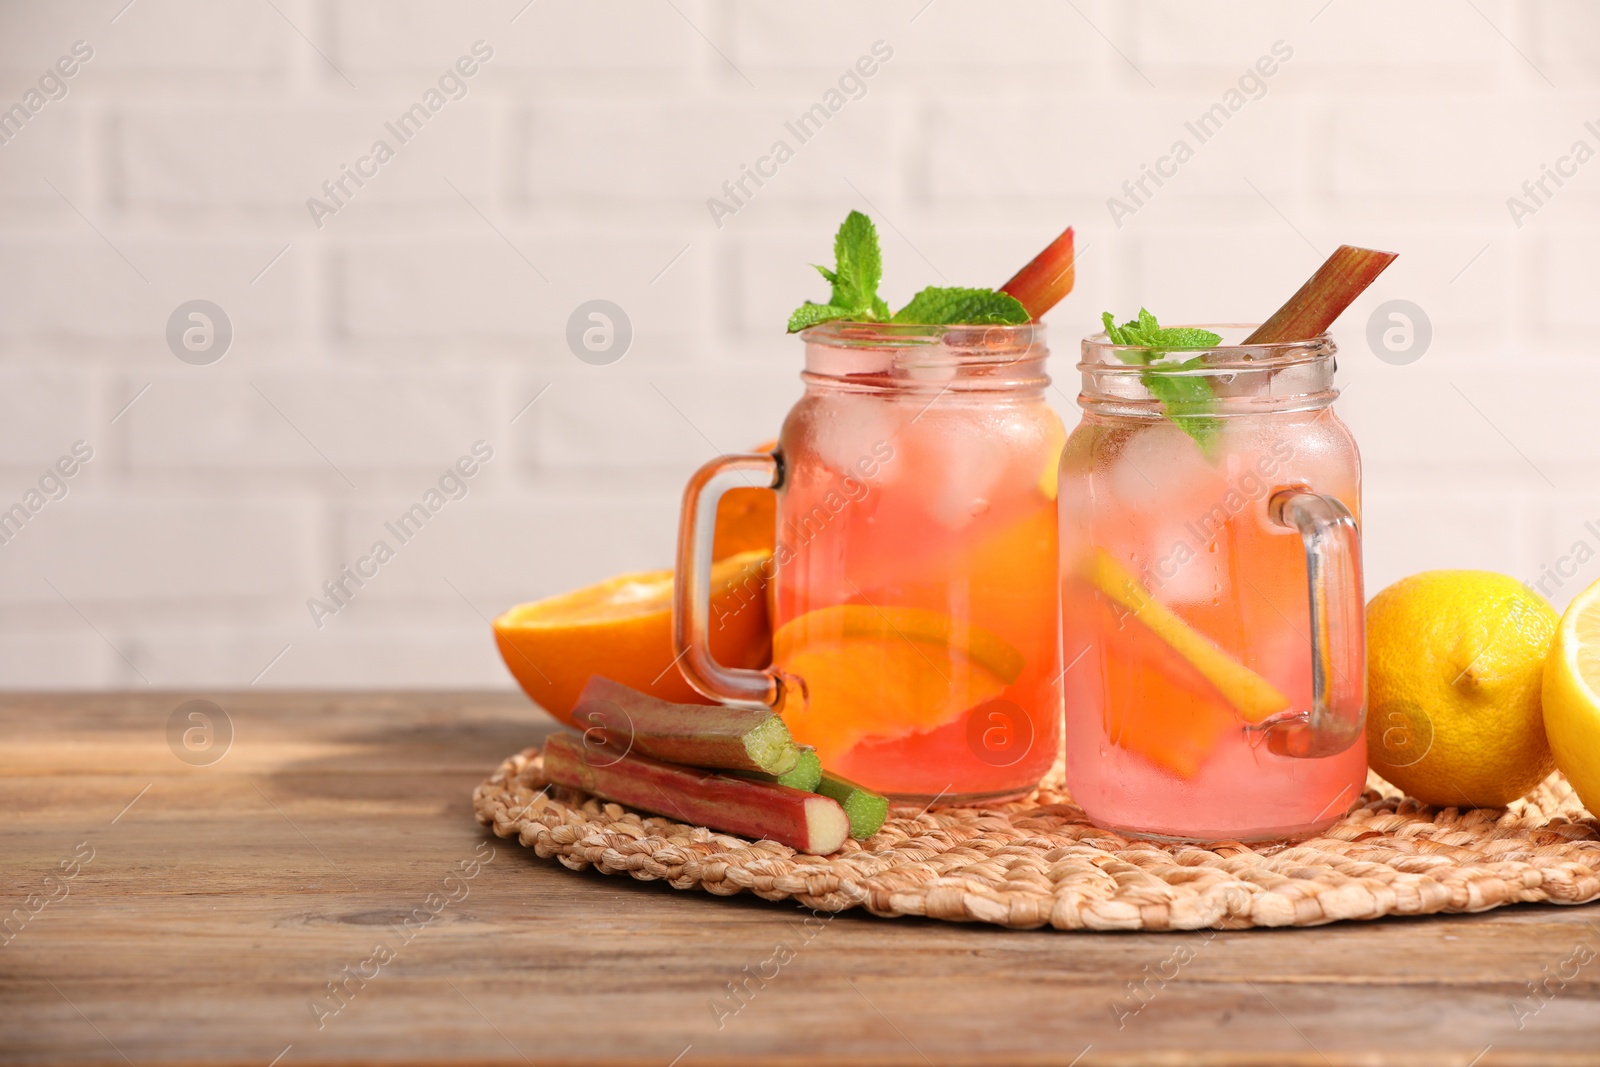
1323, 298
866, 809
734, 739
1046, 279
804, 775
803, 821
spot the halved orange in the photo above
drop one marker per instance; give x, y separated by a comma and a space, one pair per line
622, 628
886, 672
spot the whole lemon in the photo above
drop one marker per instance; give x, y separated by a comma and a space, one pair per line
1571, 703
1455, 662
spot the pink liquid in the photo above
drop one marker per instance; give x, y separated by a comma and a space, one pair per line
935, 528
1153, 747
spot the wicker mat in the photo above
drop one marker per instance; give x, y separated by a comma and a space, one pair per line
1037, 863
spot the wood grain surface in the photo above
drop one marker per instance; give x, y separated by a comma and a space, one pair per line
218, 903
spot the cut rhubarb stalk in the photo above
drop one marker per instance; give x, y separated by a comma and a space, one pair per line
803, 821
866, 809
1323, 298
734, 739
1046, 279
803, 775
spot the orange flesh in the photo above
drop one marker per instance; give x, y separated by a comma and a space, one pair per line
1156, 703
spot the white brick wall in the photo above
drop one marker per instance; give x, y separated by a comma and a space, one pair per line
421, 318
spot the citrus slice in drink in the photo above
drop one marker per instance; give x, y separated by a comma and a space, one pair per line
1154, 703
1255, 698
886, 672
1170, 694
1050, 477
622, 628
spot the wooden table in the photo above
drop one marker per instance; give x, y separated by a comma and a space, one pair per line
198, 913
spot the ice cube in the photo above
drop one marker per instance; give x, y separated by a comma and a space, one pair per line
1317, 453
957, 460
1160, 467
852, 433
1183, 565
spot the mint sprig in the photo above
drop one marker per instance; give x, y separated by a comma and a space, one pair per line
857, 270
858, 267
1187, 399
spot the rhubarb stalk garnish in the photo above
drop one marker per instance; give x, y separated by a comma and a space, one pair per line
1323, 298
1046, 279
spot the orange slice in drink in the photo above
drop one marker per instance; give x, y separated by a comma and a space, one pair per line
1155, 704
886, 672
1171, 695
622, 628
1251, 695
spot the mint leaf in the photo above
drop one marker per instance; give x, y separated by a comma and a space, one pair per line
1146, 332
948, 307
1114, 333
1187, 399
858, 268
1147, 326
859, 263
1186, 337
1181, 395
809, 314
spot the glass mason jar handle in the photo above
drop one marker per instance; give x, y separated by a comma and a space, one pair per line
691, 585
1338, 640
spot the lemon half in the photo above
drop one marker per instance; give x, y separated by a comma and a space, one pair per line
1571, 703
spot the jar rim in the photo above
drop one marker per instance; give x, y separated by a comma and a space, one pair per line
1235, 379
906, 358
1101, 356
974, 340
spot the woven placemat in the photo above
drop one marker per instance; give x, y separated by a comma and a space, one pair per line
1037, 862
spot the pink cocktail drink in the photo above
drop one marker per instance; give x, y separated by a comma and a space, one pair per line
917, 529
1205, 698
916, 638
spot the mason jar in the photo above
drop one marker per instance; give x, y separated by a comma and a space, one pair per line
916, 640
1212, 600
